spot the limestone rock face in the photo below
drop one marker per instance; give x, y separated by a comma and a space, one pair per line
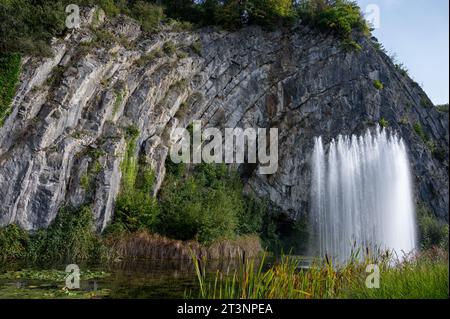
65, 138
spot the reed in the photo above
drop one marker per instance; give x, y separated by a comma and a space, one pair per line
420, 276
145, 245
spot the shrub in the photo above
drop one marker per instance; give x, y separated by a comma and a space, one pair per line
109, 7
197, 47
378, 84
203, 206
229, 15
429, 143
9, 77
169, 48
351, 45
384, 123
148, 15
419, 131
70, 238
104, 38
135, 210
432, 232
251, 218
144, 59
13, 242
180, 26
340, 16
27, 26
270, 12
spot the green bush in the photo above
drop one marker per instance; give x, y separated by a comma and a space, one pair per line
135, 210
432, 232
27, 26
378, 84
251, 218
203, 206
429, 143
169, 48
13, 242
270, 13
9, 77
109, 6
340, 16
197, 47
70, 238
148, 15
383, 122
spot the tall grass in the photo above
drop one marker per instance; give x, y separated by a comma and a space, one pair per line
422, 276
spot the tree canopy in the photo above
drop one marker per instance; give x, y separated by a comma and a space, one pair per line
27, 25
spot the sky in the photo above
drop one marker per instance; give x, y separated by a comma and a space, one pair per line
417, 31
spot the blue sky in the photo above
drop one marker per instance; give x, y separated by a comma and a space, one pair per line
417, 31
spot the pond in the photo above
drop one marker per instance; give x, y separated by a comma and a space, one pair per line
134, 279
125, 279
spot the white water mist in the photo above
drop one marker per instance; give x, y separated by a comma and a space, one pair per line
362, 195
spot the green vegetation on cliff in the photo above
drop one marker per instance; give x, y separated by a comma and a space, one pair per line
135, 209
9, 77
29, 25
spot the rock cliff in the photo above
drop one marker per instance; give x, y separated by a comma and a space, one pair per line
64, 140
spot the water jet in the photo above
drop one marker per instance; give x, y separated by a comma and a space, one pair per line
362, 196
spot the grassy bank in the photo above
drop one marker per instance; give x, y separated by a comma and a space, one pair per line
424, 276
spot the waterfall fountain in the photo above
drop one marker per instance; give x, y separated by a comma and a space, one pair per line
362, 195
